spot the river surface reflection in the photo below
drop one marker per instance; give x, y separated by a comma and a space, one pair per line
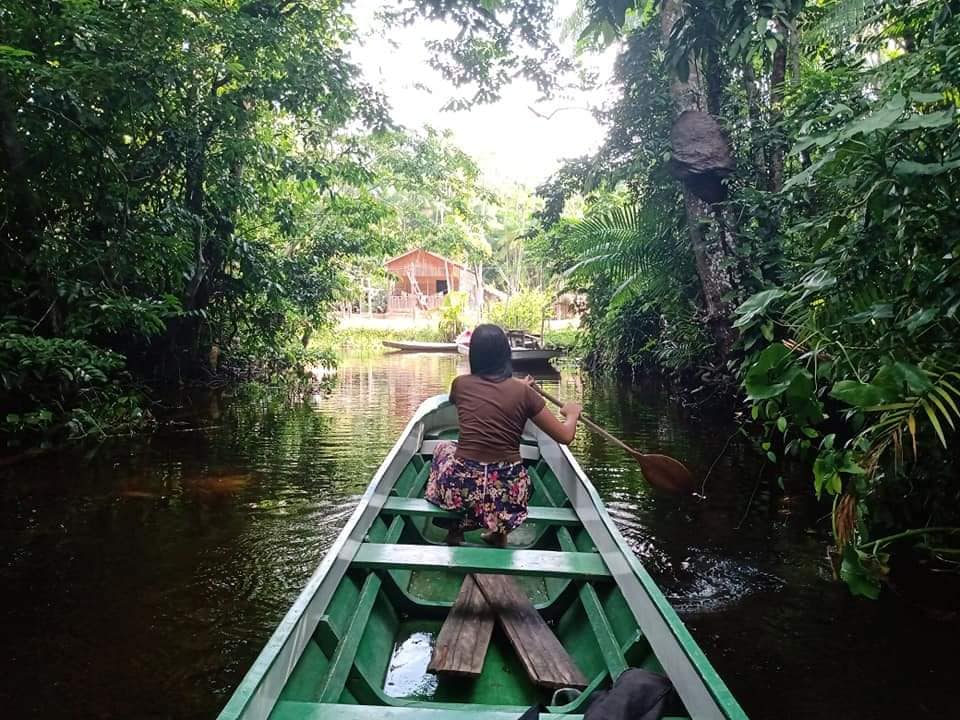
141, 578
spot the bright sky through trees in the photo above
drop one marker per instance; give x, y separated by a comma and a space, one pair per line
508, 140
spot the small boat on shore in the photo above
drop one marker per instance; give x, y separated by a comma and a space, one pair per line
355, 645
417, 346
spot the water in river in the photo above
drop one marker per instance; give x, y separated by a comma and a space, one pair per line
141, 579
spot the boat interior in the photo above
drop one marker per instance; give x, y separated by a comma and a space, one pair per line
369, 653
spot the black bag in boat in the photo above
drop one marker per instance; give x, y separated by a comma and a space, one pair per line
636, 695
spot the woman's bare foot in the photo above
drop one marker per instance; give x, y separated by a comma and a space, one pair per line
454, 537
497, 539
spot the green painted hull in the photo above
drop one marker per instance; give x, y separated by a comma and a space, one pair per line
356, 642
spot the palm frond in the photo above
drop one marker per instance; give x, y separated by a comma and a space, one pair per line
631, 246
842, 19
938, 406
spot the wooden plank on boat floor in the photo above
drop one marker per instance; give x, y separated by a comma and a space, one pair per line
546, 661
547, 563
462, 643
421, 508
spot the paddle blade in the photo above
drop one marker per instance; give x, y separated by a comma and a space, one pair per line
666, 473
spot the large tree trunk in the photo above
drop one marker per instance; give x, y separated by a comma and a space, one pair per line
709, 237
778, 77
194, 201
756, 121
21, 226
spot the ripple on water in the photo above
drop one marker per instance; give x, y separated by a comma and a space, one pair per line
704, 582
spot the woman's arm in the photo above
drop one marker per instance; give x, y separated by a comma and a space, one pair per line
562, 432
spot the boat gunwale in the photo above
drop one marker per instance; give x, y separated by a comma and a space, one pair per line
659, 616
252, 698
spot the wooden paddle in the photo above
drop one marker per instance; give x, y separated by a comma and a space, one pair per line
661, 471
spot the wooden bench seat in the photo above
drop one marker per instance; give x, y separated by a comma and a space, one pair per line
462, 643
547, 563
421, 508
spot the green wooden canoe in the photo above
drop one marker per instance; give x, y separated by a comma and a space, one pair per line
348, 647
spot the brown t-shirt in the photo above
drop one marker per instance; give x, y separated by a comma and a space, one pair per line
492, 415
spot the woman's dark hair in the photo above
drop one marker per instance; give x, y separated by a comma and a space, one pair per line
490, 353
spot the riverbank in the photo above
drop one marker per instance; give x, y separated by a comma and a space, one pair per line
365, 335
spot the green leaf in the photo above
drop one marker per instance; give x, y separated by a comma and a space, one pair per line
947, 399
921, 318
932, 397
819, 279
14, 52
929, 120
857, 577
908, 167
771, 409
858, 394
805, 177
850, 466
877, 120
877, 311
916, 379
781, 424
772, 373
924, 97
932, 415
756, 305
824, 472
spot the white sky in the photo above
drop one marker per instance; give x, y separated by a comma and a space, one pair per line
508, 141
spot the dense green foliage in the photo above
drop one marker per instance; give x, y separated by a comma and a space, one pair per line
527, 310
188, 187
182, 193
822, 280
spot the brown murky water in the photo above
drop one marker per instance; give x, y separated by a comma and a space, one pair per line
140, 579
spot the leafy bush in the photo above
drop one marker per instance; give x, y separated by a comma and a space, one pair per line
527, 310
452, 315
853, 359
56, 388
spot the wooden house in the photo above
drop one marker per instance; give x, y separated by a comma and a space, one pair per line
424, 277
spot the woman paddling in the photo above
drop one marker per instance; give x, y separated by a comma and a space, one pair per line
481, 477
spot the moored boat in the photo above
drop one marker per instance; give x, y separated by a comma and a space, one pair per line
417, 346
356, 642
521, 355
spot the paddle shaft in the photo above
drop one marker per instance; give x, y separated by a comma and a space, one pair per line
661, 471
585, 419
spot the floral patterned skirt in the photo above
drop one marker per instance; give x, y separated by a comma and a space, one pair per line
492, 496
